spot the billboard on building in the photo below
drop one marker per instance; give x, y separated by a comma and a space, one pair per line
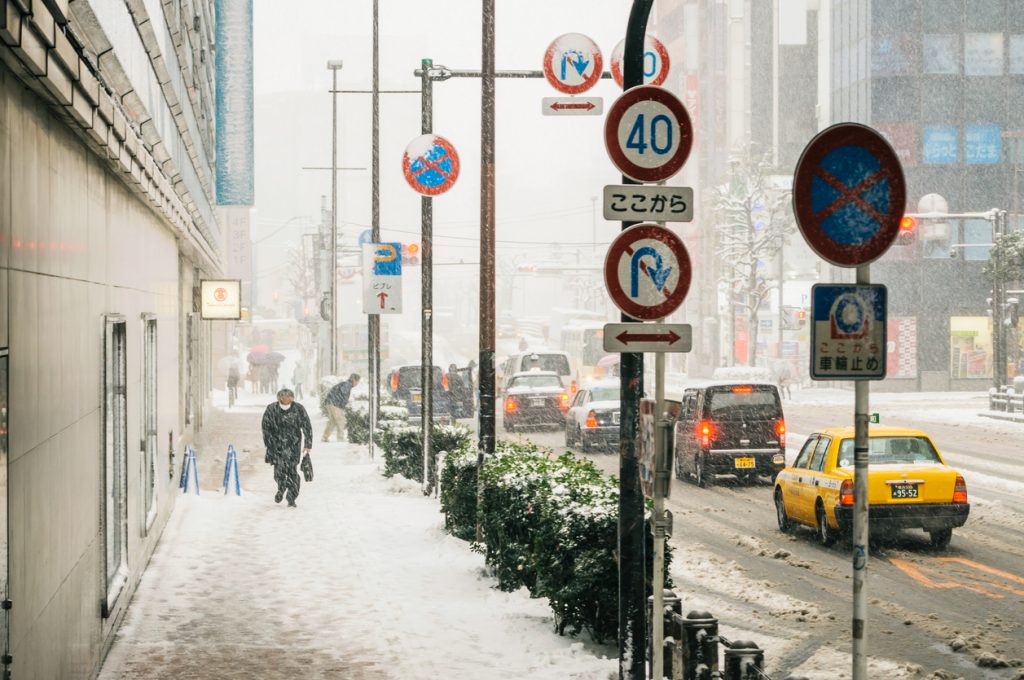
235, 181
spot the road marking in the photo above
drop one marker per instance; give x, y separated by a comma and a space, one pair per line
965, 574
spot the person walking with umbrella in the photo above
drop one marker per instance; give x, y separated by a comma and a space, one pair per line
286, 432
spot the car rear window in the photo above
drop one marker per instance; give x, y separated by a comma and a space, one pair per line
891, 451
605, 394
409, 377
556, 363
536, 381
743, 401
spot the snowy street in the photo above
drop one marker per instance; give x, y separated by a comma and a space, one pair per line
359, 581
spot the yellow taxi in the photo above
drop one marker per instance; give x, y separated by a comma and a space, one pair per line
909, 486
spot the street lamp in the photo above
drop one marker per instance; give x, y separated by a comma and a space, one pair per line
334, 65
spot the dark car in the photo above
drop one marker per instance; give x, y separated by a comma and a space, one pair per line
535, 398
730, 429
593, 417
406, 385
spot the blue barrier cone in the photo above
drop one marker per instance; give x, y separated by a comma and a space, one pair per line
190, 464
231, 464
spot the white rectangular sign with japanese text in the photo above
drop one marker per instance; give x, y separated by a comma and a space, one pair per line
382, 278
648, 203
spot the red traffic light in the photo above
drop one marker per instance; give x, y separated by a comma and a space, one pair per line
412, 248
801, 314
908, 224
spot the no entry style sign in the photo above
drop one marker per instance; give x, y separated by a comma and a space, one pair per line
430, 164
573, 63
647, 272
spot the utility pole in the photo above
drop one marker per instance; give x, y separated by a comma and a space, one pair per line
427, 292
334, 65
487, 213
632, 562
373, 320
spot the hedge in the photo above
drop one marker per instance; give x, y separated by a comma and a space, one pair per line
357, 416
549, 524
402, 446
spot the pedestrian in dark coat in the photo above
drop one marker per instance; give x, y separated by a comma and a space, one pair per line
287, 432
336, 400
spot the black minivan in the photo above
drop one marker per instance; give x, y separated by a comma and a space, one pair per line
730, 429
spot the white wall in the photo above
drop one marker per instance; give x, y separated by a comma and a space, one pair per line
75, 244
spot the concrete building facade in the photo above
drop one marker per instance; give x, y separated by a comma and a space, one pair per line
107, 223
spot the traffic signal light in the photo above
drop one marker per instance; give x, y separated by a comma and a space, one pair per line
908, 227
411, 254
793, 318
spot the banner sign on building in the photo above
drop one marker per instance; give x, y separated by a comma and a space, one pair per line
235, 183
220, 299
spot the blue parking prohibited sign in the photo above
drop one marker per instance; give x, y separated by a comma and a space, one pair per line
849, 194
848, 331
430, 164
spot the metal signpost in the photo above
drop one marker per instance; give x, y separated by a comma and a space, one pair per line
648, 137
656, 61
431, 166
849, 196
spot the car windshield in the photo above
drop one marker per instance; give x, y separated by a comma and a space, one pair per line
536, 381
556, 363
743, 401
892, 451
605, 393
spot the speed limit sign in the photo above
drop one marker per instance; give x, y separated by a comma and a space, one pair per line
648, 133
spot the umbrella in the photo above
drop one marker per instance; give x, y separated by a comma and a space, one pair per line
274, 357
260, 349
257, 358
608, 360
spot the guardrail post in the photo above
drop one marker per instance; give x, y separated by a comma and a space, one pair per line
700, 646
744, 660
673, 611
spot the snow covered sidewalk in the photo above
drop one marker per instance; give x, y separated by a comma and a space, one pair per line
359, 581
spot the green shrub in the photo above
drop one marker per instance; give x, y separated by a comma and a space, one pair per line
357, 416
549, 524
402, 447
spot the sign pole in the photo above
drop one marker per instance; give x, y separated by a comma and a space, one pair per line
860, 514
373, 320
632, 592
426, 274
658, 525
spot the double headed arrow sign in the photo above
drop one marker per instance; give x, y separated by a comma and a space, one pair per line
572, 106
648, 337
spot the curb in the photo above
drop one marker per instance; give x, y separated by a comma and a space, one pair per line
1000, 416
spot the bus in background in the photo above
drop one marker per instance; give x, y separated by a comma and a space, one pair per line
584, 341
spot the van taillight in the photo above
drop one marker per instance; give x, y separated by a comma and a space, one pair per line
444, 380
780, 430
960, 490
511, 406
572, 387
846, 492
591, 419
394, 381
706, 432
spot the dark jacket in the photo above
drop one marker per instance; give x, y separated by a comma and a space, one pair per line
283, 431
339, 394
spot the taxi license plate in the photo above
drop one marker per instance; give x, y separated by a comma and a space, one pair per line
417, 398
904, 490
536, 402
615, 418
744, 463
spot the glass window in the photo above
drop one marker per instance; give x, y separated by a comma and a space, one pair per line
941, 53
970, 346
976, 234
743, 401
805, 453
539, 380
983, 54
892, 451
606, 394
818, 459
149, 423
1017, 54
115, 455
941, 15
546, 362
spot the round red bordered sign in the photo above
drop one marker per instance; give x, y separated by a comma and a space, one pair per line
647, 272
648, 133
430, 164
849, 194
573, 63
656, 61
